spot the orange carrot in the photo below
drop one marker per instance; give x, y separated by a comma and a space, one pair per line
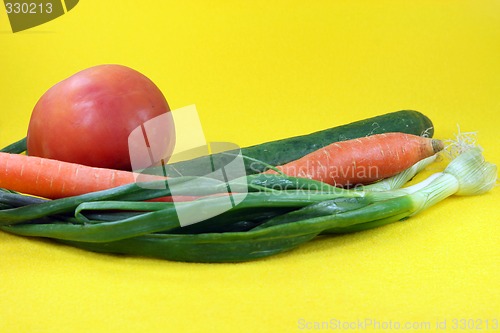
56, 179
363, 161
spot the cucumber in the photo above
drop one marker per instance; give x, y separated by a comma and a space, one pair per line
286, 150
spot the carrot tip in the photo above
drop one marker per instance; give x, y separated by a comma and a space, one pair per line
437, 145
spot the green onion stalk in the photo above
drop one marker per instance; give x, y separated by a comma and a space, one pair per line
121, 212
266, 222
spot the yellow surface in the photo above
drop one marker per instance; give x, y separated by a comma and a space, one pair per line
258, 71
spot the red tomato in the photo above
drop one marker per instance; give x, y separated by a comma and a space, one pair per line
88, 117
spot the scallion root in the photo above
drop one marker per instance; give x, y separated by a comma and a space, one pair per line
463, 142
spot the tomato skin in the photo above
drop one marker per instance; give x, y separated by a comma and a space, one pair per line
88, 117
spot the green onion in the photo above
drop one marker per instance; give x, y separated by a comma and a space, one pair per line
17, 147
277, 214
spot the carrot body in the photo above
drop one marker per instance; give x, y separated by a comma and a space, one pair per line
364, 160
347, 163
55, 179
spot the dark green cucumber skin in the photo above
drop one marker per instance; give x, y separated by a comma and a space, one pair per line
283, 151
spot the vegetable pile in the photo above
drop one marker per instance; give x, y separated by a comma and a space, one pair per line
340, 180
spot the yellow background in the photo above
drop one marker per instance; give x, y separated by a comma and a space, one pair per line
258, 71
